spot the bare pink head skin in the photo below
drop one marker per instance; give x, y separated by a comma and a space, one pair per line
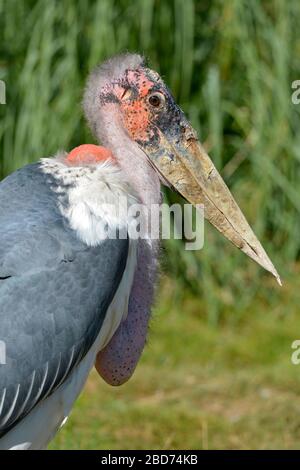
118, 119
117, 122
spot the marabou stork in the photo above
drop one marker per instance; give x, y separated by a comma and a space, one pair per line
71, 298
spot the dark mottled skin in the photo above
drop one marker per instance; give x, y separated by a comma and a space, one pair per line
54, 291
140, 118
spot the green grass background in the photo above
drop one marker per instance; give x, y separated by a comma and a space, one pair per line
217, 370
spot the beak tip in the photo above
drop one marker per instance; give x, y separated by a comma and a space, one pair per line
271, 268
255, 251
277, 277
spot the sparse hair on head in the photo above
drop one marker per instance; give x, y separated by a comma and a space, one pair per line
110, 70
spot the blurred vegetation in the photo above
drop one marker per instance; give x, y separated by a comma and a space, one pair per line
230, 66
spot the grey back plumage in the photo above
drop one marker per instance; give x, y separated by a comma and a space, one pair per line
54, 292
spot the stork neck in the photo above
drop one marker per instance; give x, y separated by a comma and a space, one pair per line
117, 361
132, 160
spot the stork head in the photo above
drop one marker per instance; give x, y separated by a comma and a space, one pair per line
138, 101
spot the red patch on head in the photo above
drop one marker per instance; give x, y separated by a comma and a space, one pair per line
136, 119
89, 154
136, 113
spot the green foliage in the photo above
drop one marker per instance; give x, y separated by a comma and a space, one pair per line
230, 65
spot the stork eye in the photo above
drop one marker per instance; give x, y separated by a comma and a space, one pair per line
156, 100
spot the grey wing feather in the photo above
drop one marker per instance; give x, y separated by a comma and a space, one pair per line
54, 293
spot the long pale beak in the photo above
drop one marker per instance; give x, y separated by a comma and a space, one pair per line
186, 166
